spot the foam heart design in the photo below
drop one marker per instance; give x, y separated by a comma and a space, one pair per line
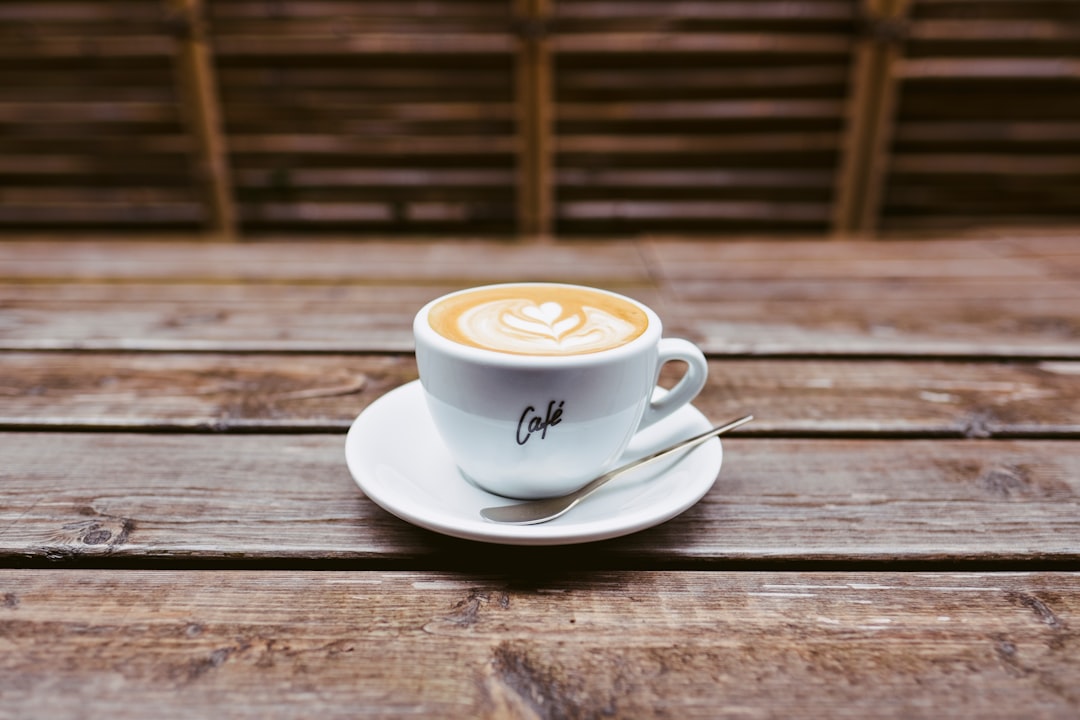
546, 313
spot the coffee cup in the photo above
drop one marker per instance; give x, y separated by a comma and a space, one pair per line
537, 388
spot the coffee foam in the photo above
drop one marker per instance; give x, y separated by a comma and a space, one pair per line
538, 320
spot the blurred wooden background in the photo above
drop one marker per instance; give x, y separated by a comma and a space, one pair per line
537, 117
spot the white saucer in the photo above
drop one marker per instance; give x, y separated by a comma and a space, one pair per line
399, 461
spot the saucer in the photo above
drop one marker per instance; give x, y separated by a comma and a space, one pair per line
399, 461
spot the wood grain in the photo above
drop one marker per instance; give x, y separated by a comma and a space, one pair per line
223, 392
180, 535
320, 261
828, 316
191, 392
145, 499
899, 318
905, 298
391, 644
996, 297
999, 255
232, 317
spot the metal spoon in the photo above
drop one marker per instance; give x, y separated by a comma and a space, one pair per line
533, 512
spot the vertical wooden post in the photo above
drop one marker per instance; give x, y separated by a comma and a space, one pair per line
862, 91
871, 111
878, 152
199, 95
535, 208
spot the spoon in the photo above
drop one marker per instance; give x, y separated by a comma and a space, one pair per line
534, 512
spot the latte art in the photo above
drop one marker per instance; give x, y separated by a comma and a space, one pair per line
538, 320
521, 326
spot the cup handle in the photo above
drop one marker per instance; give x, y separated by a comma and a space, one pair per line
691, 383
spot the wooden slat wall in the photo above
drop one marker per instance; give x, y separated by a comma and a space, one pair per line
689, 116
91, 133
533, 117
369, 116
988, 115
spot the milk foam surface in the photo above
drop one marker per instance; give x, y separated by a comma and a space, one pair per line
533, 320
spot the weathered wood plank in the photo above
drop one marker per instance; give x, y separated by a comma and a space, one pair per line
825, 315
986, 68
994, 298
905, 297
237, 317
681, 260
898, 317
734, 43
996, 254
188, 392
325, 261
79, 214
687, 178
79, 112
654, 144
973, 30
272, 143
151, 498
1059, 252
631, 111
761, 78
392, 43
758, 10
418, 11
129, 47
326, 392
352, 644
693, 210
193, 317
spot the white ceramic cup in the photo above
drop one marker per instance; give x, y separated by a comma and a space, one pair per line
532, 426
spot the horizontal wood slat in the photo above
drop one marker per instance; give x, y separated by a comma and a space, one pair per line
965, 298
414, 262
160, 497
137, 643
802, 318
326, 392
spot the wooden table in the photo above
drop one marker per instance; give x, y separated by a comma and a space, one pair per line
896, 535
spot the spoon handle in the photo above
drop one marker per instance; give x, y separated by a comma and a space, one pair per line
538, 511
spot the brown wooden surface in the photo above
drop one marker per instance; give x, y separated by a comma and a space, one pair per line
1005, 297
125, 497
897, 534
272, 644
80, 390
